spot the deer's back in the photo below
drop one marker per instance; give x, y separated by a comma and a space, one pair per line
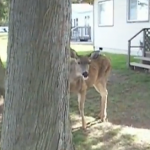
99, 70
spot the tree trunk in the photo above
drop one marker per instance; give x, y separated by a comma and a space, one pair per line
36, 108
2, 79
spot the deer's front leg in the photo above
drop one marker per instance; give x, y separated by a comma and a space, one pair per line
81, 100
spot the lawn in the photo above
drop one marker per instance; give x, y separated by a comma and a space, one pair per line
128, 115
3, 46
128, 126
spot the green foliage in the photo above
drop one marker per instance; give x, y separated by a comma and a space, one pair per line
4, 10
83, 1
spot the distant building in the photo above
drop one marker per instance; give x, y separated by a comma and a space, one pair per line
116, 21
82, 15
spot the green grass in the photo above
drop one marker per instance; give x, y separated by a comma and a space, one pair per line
118, 61
128, 111
3, 47
128, 108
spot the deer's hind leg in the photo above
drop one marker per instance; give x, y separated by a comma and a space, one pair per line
102, 90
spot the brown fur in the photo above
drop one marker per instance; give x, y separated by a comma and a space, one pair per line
98, 73
76, 79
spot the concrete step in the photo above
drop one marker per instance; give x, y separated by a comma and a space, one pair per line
143, 58
135, 64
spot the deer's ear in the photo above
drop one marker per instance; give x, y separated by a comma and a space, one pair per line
73, 53
94, 54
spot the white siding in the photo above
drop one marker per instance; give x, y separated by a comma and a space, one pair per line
115, 38
81, 17
81, 20
80, 11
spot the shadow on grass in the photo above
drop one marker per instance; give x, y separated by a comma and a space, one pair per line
107, 137
128, 109
128, 100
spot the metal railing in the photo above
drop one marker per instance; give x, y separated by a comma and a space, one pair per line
145, 45
81, 33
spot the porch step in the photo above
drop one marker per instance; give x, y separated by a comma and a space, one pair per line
134, 64
143, 58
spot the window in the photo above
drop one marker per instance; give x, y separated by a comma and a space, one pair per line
105, 13
76, 22
71, 23
138, 10
87, 20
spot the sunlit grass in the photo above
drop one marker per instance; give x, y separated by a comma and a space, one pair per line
3, 47
128, 110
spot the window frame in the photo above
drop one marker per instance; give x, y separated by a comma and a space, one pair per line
86, 20
76, 22
137, 20
105, 25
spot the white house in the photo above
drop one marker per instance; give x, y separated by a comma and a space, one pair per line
82, 15
116, 21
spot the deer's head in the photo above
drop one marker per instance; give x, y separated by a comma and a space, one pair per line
84, 61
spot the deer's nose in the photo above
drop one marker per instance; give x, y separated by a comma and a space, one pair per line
85, 74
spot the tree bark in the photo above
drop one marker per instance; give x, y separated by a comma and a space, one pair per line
36, 109
2, 79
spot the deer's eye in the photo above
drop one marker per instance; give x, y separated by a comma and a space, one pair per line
79, 62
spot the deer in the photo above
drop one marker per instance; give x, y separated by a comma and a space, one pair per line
88, 71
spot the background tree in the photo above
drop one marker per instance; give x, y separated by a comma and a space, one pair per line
83, 1
4, 12
36, 108
5, 3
